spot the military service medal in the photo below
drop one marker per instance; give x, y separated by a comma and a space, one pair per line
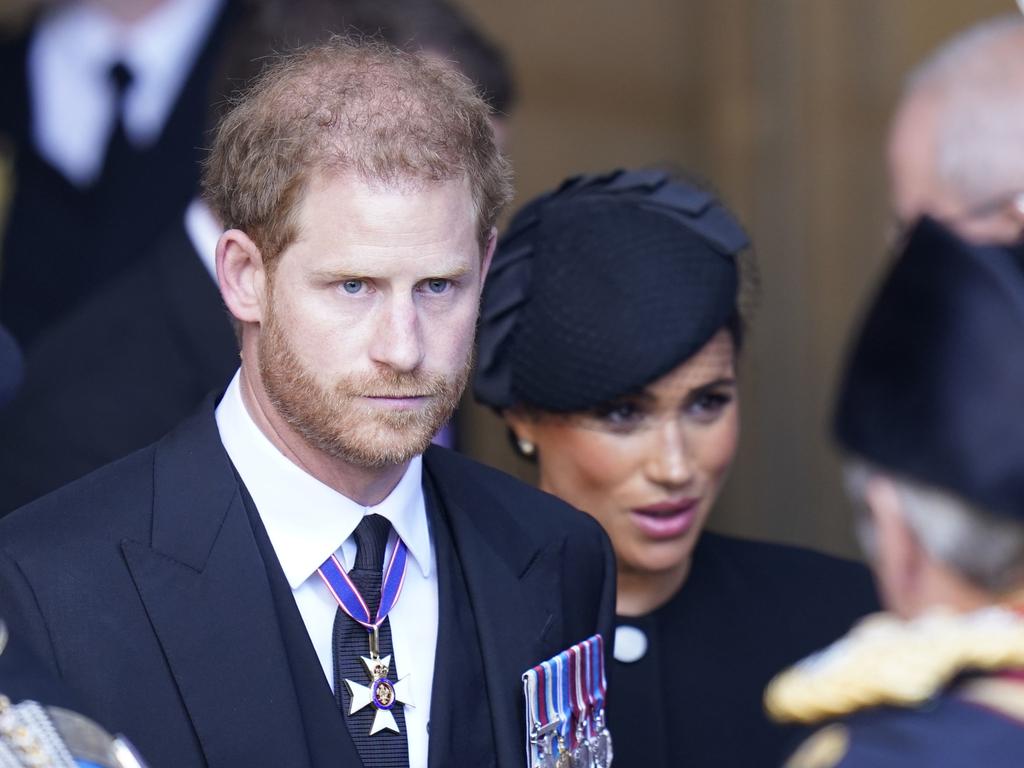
382, 692
603, 753
542, 718
539, 729
565, 709
580, 721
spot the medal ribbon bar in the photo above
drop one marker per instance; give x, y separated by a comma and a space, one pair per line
565, 709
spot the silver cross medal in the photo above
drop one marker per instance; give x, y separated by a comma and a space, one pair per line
382, 693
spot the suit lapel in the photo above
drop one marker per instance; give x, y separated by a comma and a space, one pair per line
205, 589
461, 726
510, 578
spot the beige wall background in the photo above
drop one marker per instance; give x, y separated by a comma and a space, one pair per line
783, 105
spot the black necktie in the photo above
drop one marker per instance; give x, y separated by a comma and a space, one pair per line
385, 749
119, 150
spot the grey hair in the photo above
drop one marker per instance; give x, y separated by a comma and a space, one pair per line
978, 79
986, 550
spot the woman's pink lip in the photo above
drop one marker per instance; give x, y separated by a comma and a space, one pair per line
665, 520
667, 507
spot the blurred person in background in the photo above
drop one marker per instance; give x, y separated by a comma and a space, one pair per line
955, 150
609, 338
121, 370
929, 418
443, 29
11, 366
103, 109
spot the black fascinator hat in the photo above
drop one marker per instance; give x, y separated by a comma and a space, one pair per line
602, 286
934, 385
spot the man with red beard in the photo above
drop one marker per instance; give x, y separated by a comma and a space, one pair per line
293, 577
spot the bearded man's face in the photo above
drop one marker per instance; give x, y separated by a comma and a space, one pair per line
366, 340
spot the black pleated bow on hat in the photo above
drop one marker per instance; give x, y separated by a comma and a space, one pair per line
934, 386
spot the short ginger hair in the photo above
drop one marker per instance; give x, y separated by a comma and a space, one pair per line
349, 106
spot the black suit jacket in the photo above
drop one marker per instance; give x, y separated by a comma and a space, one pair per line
117, 374
142, 585
24, 678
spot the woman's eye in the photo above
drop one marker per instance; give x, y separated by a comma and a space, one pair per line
353, 286
619, 414
438, 284
710, 404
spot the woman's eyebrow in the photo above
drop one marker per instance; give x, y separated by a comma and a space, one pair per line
724, 381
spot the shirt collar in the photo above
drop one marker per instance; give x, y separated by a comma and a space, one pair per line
306, 520
203, 231
160, 50
72, 51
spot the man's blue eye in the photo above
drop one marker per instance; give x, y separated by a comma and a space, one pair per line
352, 286
438, 284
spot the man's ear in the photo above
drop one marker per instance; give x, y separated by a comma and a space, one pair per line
900, 560
241, 276
492, 242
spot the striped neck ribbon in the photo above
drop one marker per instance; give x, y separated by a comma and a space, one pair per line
347, 594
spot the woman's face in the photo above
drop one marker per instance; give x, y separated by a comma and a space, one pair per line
649, 466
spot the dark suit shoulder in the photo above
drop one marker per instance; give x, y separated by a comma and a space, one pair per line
112, 502
117, 373
533, 507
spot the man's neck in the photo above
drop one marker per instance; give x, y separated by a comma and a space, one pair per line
366, 486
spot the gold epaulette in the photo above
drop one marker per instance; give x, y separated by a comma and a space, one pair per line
887, 661
997, 694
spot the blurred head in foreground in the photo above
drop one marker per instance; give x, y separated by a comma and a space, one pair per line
929, 416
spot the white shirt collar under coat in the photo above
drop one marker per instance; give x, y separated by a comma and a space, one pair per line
70, 56
305, 519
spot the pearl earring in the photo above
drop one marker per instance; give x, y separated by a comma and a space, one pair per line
526, 447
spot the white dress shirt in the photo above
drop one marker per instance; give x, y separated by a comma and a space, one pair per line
69, 60
307, 521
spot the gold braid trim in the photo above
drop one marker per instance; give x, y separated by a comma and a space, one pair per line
887, 661
1003, 696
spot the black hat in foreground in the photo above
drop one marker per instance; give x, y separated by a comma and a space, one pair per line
934, 388
603, 286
